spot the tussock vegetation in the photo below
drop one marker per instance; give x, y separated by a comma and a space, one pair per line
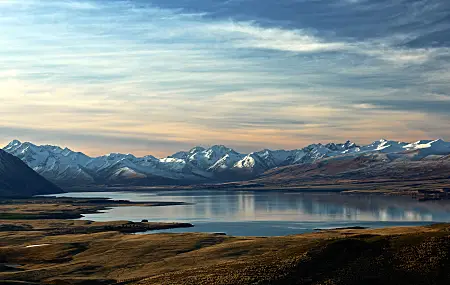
412, 255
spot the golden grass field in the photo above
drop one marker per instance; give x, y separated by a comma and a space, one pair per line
39, 252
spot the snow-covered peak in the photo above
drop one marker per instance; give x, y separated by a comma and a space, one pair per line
340, 146
115, 155
150, 158
427, 147
206, 158
180, 155
196, 149
171, 159
252, 162
63, 164
187, 154
419, 144
226, 162
217, 150
274, 158
384, 146
428, 144
17, 146
350, 144
13, 144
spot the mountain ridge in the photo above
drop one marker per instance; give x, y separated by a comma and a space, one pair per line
217, 163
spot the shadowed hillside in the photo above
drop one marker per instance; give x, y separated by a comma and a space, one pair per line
19, 180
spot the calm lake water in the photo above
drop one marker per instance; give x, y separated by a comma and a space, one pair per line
271, 213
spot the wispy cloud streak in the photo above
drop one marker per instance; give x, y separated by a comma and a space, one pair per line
197, 72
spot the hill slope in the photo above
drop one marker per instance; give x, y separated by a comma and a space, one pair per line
400, 256
371, 167
19, 180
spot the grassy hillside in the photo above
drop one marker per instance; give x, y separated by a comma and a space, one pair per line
384, 256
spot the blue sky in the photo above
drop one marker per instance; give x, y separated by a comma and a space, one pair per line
159, 76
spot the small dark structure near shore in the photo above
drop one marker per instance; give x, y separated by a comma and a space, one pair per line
132, 227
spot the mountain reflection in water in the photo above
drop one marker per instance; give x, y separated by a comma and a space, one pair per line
272, 212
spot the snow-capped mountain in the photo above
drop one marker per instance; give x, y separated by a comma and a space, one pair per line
217, 163
52, 162
206, 158
251, 164
64, 166
226, 162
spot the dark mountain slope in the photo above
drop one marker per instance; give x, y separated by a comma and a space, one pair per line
19, 180
371, 167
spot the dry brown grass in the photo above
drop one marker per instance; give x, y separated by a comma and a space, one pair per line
328, 257
96, 253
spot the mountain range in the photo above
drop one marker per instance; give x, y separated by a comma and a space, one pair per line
19, 180
218, 163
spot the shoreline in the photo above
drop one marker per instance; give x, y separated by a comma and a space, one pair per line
27, 213
411, 187
53, 207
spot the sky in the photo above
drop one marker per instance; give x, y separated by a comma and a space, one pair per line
155, 77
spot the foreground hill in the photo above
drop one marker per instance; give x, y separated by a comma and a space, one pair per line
219, 163
28, 255
17, 179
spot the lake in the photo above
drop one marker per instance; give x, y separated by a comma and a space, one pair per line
270, 213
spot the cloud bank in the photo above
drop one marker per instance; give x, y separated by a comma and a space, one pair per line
245, 73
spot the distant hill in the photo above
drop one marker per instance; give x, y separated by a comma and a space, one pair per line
19, 180
369, 167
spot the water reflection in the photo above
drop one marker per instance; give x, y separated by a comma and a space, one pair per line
241, 208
